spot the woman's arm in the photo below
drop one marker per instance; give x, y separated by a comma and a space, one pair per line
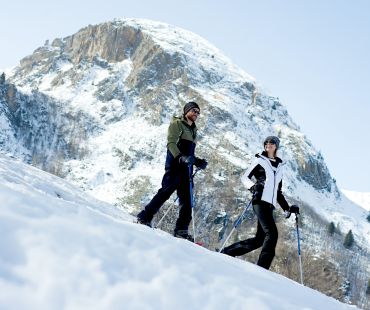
281, 199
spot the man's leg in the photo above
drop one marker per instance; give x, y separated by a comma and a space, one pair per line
169, 184
183, 191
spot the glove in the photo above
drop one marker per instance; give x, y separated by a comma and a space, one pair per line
187, 160
256, 188
292, 209
200, 163
252, 189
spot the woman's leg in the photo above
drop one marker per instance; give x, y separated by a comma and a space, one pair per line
264, 212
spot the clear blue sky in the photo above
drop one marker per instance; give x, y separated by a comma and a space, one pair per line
314, 55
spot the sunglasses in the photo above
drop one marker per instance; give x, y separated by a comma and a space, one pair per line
195, 111
270, 142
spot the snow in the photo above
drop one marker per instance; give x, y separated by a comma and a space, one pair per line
362, 199
63, 249
334, 209
173, 39
104, 179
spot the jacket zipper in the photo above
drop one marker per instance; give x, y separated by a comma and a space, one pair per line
273, 192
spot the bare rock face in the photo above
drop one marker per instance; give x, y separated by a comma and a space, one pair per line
153, 69
38, 125
311, 167
112, 43
315, 173
108, 41
105, 40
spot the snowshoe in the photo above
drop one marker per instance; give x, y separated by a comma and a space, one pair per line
184, 235
139, 221
142, 220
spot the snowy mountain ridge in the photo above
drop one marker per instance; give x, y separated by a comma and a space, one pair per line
63, 249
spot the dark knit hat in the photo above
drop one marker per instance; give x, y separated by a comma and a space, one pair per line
190, 105
272, 139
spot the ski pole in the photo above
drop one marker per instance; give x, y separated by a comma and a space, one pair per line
168, 210
191, 197
299, 248
236, 224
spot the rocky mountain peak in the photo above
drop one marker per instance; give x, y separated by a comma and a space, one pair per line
108, 41
127, 69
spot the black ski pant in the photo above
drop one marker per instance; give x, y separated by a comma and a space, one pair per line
266, 236
173, 180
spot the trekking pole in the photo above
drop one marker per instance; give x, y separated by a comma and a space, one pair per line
236, 224
191, 196
168, 210
299, 248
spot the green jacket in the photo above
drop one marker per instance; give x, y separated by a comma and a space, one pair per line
181, 140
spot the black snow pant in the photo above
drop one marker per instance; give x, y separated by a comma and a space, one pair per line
173, 180
266, 236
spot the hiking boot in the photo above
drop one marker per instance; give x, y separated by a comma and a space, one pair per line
142, 220
225, 252
184, 235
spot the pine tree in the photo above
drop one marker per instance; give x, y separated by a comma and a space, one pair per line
368, 287
368, 217
348, 240
2, 78
331, 228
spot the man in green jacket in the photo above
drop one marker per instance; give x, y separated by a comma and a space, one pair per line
181, 142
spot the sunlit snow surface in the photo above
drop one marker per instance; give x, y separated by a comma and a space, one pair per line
62, 249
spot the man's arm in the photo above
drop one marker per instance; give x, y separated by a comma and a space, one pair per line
174, 134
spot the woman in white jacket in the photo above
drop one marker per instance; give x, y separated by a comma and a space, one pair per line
268, 173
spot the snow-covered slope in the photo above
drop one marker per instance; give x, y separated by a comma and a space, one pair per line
61, 249
362, 199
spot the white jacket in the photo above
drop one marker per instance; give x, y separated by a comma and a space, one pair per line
266, 175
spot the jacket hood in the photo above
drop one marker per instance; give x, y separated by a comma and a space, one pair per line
264, 154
